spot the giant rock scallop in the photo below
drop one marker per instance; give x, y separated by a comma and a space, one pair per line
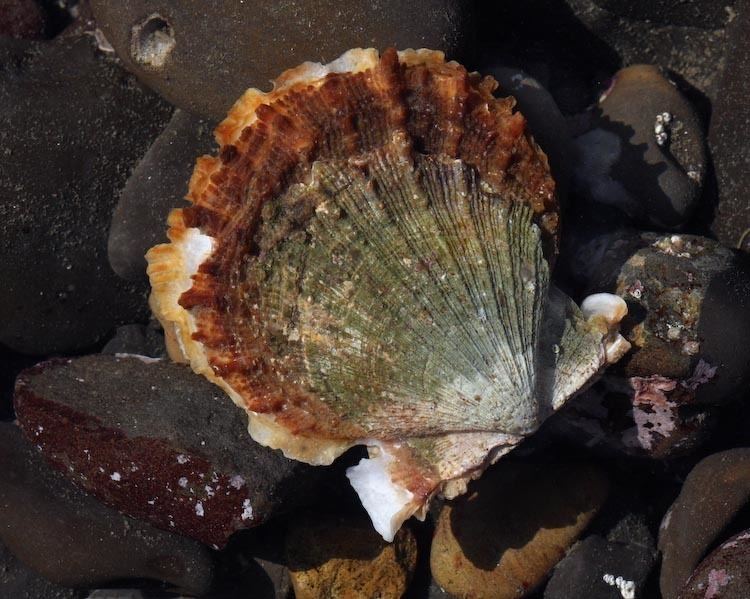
366, 262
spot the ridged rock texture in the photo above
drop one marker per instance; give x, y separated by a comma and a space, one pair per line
366, 262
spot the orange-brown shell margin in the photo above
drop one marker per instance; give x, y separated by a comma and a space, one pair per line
269, 141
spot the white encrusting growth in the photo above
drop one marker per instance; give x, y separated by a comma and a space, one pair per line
247, 510
387, 503
626, 587
144, 359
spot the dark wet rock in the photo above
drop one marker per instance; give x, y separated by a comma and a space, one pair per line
21, 19
11, 364
137, 339
203, 58
688, 302
546, 122
573, 46
598, 569
728, 135
73, 125
689, 318
707, 14
696, 53
158, 184
724, 574
254, 559
644, 153
712, 495
117, 594
73, 540
343, 556
20, 582
515, 523
159, 443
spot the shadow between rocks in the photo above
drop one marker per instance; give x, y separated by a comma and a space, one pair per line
546, 39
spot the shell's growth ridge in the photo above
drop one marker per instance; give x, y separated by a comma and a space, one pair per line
366, 262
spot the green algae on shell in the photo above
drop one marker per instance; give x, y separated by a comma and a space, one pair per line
366, 262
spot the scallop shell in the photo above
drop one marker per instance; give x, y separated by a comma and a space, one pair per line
366, 261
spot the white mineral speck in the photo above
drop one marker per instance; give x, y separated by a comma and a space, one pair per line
626, 587
209, 490
199, 509
151, 501
236, 482
247, 510
182, 459
115, 476
182, 482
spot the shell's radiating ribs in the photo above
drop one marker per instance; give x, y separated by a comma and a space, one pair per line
366, 262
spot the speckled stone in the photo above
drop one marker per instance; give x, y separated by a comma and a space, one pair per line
644, 154
505, 535
202, 58
21, 19
724, 574
73, 124
158, 442
728, 135
20, 582
598, 569
158, 184
344, 557
714, 491
707, 14
73, 540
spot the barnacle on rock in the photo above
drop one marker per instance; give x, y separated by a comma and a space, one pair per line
366, 261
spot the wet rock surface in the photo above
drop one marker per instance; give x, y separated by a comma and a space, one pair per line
505, 536
203, 58
59, 178
712, 495
703, 13
725, 573
158, 184
688, 318
643, 154
159, 443
17, 580
72, 540
730, 127
22, 19
344, 557
254, 559
598, 569
137, 339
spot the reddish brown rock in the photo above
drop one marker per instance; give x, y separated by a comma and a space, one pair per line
73, 540
724, 574
159, 443
714, 491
